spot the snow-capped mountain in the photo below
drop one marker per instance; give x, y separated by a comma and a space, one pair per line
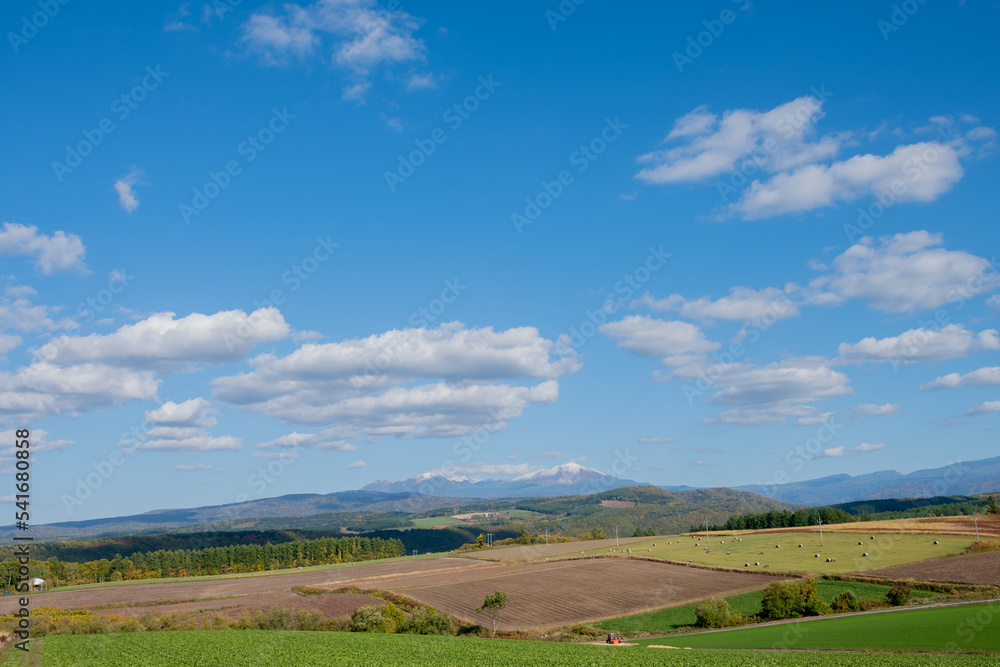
568, 479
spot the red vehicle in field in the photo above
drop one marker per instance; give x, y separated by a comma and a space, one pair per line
614, 638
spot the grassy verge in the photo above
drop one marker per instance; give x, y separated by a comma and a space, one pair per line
307, 649
974, 628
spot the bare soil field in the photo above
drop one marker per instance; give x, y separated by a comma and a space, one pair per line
380, 575
330, 605
942, 525
618, 503
544, 595
972, 569
545, 550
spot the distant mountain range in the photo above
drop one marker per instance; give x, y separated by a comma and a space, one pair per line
963, 478
569, 479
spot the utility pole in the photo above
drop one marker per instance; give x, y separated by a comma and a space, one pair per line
546, 537
616, 536
976, 521
706, 530
820, 531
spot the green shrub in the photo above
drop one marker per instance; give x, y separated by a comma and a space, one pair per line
898, 595
781, 600
427, 621
713, 613
846, 601
370, 618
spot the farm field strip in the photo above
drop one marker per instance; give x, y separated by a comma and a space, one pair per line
545, 595
325, 649
981, 568
946, 628
541, 551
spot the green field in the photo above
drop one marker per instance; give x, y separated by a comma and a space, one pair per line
748, 604
317, 649
885, 550
950, 629
434, 522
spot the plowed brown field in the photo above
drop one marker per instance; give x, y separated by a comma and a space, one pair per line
544, 595
972, 569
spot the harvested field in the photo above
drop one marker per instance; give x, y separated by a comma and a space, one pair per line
331, 605
547, 550
544, 595
936, 525
972, 569
380, 575
618, 503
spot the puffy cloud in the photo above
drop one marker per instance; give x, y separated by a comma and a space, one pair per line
357, 34
742, 304
920, 345
414, 382
984, 408
192, 413
988, 376
906, 171
125, 187
355, 466
8, 342
676, 343
58, 252
776, 139
873, 409
331, 439
181, 427
161, 341
907, 272
865, 447
46, 389
832, 452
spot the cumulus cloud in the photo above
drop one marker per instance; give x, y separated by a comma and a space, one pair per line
58, 252
161, 341
125, 187
865, 447
675, 343
988, 376
355, 466
46, 389
920, 345
906, 272
742, 304
983, 408
181, 427
874, 409
794, 168
437, 382
328, 439
832, 452
835, 452
357, 35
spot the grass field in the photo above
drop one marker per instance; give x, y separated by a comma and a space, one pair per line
434, 522
309, 649
748, 604
885, 550
951, 629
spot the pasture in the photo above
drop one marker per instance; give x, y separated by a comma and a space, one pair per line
949, 629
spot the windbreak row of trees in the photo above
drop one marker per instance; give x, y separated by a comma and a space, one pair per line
781, 519
213, 560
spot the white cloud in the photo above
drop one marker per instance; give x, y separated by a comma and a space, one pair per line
164, 342
657, 440
421, 82
125, 187
875, 410
988, 376
438, 382
201, 443
181, 427
355, 466
832, 452
865, 447
474, 471
776, 139
920, 345
58, 252
46, 389
8, 342
814, 420
22, 315
329, 439
742, 304
906, 172
191, 413
276, 456
355, 34
907, 272
984, 408
676, 343
192, 468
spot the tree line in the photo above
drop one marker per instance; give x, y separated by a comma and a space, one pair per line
212, 560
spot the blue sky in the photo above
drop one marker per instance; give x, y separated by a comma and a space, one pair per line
254, 249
